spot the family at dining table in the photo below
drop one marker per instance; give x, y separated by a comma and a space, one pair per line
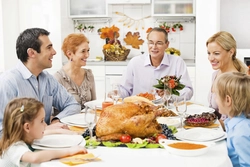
27, 85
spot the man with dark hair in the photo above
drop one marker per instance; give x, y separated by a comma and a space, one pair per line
35, 53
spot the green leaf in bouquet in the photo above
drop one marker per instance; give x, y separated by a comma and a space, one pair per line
175, 92
158, 86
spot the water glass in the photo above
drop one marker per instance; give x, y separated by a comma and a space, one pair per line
90, 119
115, 93
167, 96
181, 108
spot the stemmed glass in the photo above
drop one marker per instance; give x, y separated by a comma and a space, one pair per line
90, 119
181, 108
115, 95
167, 96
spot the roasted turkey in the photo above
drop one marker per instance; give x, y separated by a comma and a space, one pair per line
135, 119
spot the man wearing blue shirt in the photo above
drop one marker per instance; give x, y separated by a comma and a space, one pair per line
35, 53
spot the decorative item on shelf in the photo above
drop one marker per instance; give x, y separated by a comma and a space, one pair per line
165, 26
172, 82
169, 28
83, 28
173, 51
177, 25
129, 22
133, 39
113, 50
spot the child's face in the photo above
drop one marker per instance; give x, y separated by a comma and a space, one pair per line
38, 125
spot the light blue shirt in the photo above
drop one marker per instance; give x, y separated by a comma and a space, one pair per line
20, 82
141, 75
238, 140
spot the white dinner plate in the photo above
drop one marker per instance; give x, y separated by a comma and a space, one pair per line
184, 152
83, 143
169, 121
59, 141
198, 109
157, 99
199, 134
75, 120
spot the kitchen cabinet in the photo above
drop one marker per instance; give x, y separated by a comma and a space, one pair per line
83, 9
191, 72
99, 75
173, 7
128, 1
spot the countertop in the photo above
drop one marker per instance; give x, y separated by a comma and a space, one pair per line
94, 62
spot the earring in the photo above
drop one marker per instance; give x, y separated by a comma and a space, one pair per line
71, 59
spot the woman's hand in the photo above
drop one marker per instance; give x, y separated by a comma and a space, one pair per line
160, 92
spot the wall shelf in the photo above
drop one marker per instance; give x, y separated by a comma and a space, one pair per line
183, 19
92, 20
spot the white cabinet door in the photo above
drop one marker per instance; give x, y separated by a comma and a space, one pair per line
173, 7
99, 75
128, 1
191, 72
100, 87
81, 9
113, 74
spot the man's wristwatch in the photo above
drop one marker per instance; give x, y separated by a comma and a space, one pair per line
53, 119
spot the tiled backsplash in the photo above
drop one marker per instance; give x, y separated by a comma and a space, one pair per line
182, 40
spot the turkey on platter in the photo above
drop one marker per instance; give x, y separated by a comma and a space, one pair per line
135, 119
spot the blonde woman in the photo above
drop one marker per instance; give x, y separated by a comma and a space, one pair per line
23, 123
77, 80
221, 49
233, 96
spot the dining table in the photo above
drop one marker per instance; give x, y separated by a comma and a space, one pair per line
216, 156
123, 157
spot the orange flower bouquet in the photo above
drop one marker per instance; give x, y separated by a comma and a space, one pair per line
172, 82
113, 50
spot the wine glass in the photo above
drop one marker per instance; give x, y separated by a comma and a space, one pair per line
90, 119
115, 92
181, 108
167, 95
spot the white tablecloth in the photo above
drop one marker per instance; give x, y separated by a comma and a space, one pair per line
124, 157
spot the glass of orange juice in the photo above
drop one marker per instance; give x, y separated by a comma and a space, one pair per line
106, 104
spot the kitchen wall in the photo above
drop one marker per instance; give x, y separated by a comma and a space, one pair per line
182, 40
12, 23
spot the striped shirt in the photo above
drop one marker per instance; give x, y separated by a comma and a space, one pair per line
20, 82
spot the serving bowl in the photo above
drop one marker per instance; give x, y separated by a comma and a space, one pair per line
169, 121
186, 148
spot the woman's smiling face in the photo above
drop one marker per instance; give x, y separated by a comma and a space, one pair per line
218, 57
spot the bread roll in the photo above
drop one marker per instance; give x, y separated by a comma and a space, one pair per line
137, 99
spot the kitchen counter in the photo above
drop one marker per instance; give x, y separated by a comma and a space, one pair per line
93, 62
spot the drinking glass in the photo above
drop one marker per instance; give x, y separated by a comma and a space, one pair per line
181, 108
115, 93
167, 96
90, 119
